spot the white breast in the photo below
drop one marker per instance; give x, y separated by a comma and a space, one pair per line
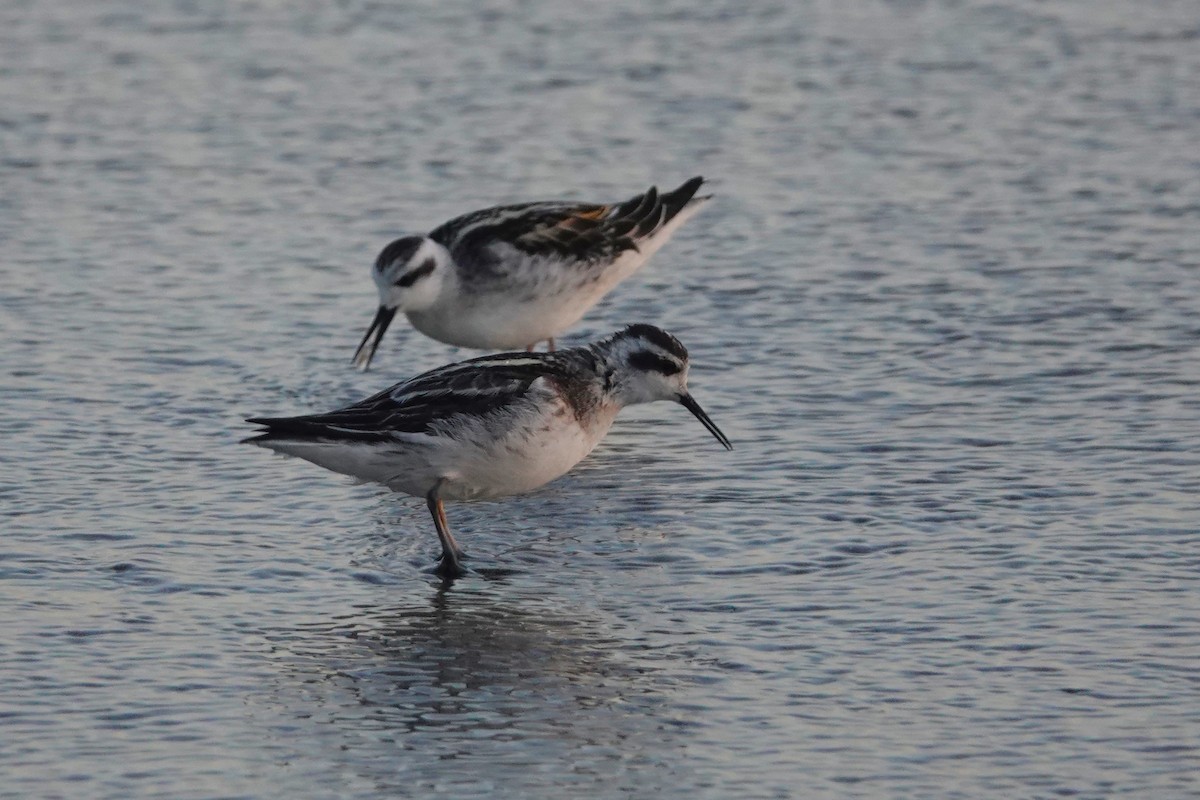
540, 440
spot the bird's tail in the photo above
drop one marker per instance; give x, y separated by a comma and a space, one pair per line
647, 215
685, 195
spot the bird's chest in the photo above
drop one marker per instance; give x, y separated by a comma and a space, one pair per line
530, 454
530, 300
500, 320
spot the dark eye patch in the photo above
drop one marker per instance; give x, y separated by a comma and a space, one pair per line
652, 362
409, 278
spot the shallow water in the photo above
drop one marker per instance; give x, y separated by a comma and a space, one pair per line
944, 304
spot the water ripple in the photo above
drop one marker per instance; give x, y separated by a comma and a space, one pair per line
943, 305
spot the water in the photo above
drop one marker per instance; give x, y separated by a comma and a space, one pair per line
945, 306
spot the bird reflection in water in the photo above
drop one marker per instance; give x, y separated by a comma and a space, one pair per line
498, 682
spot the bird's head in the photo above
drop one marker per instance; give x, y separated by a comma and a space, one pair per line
645, 364
409, 274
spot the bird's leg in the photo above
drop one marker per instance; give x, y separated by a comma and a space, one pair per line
449, 565
550, 345
458, 551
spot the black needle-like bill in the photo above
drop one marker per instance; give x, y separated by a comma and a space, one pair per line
691, 405
365, 352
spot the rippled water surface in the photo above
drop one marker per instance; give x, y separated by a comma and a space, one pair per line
945, 304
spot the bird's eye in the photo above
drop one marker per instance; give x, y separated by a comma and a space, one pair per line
411, 277
652, 362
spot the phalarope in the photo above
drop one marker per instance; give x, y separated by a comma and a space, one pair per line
511, 276
491, 426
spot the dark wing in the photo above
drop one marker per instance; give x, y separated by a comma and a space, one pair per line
642, 216
424, 404
577, 232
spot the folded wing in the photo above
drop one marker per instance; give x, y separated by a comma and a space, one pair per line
427, 404
581, 233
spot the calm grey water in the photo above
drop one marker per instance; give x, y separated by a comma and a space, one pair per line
945, 304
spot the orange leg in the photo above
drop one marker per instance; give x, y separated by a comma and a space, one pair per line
449, 565
549, 346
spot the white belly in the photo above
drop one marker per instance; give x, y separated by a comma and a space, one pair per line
544, 300
499, 323
526, 457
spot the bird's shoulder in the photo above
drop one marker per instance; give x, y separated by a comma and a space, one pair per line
557, 230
